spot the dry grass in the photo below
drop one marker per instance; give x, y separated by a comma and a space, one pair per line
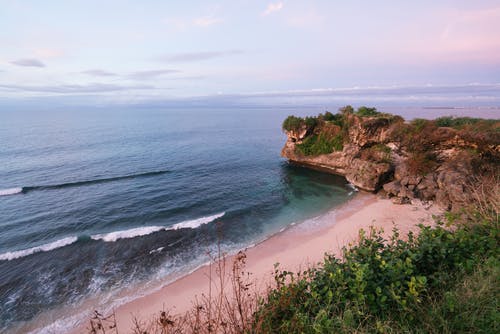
227, 308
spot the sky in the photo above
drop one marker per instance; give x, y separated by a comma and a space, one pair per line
155, 50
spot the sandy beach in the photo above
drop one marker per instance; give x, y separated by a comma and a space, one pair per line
296, 248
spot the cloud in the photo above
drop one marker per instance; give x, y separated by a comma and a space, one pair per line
206, 21
309, 18
30, 62
198, 56
182, 24
273, 7
99, 73
45, 53
72, 89
151, 74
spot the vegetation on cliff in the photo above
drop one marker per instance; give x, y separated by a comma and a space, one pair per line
425, 159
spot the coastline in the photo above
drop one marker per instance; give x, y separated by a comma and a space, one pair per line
296, 248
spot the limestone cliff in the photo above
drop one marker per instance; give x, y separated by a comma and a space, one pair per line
420, 159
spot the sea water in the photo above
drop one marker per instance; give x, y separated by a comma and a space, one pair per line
94, 201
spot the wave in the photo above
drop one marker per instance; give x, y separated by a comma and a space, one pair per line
141, 231
353, 187
196, 222
126, 234
18, 190
43, 248
10, 191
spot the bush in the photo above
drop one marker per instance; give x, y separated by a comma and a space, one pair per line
292, 123
367, 112
465, 122
385, 285
378, 152
421, 162
320, 144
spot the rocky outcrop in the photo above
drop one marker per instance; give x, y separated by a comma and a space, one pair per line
375, 157
364, 174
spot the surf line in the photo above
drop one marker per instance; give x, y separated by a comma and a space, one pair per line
24, 190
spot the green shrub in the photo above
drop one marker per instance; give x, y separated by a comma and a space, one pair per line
311, 122
463, 122
346, 110
367, 112
292, 123
385, 285
320, 144
328, 116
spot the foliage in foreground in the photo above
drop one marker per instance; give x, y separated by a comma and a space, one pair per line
391, 285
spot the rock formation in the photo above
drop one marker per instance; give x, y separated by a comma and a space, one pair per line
417, 160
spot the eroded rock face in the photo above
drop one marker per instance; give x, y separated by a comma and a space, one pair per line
447, 183
298, 135
363, 173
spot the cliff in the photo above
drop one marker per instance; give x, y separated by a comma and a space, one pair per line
429, 160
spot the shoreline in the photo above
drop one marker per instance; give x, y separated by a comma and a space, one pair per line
296, 248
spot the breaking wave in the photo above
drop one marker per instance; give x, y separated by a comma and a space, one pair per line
141, 231
10, 191
18, 190
43, 248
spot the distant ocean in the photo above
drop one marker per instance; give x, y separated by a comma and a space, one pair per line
95, 202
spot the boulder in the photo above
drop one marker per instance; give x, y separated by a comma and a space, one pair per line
392, 188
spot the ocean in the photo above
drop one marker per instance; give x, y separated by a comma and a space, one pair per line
95, 202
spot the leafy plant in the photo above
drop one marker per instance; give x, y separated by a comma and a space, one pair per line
367, 112
320, 144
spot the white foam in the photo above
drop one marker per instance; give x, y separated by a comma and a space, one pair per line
10, 191
353, 187
141, 231
196, 222
43, 248
159, 249
126, 234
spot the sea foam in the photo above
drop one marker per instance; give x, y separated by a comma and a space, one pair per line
10, 191
127, 234
141, 231
43, 248
196, 222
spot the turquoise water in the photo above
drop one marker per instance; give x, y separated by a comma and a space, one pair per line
93, 200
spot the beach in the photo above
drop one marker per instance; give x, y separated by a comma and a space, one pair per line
296, 248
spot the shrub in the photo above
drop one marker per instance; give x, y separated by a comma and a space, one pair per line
386, 285
329, 116
346, 110
367, 112
320, 144
460, 123
311, 122
421, 162
378, 152
292, 123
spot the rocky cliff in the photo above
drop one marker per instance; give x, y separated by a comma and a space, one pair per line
408, 160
